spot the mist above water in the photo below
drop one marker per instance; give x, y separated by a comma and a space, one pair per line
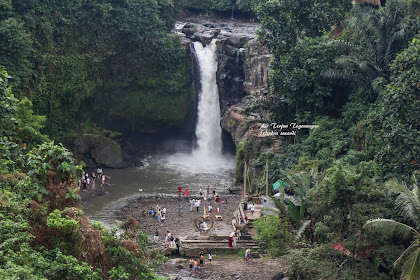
207, 157
161, 174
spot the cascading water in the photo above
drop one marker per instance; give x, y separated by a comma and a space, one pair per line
208, 130
207, 156
204, 166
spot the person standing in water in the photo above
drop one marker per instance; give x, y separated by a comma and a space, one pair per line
179, 191
187, 192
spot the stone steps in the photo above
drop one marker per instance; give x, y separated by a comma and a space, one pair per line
191, 248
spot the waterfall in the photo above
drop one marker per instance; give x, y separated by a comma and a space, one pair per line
207, 156
208, 130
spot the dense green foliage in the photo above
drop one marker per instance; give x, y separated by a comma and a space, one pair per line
409, 207
85, 60
43, 233
284, 22
354, 72
211, 5
220, 6
297, 75
400, 112
273, 234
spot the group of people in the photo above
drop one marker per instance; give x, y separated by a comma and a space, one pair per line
204, 197
169, 238
160, 213
88, 182
233, 237
251, 207
197, 264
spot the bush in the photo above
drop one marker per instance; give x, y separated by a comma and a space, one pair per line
273, 234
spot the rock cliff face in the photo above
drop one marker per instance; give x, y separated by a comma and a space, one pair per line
242, 60
242, 71
250, 138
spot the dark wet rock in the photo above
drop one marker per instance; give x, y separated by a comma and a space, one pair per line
221, 69
195, 38
210, 24
235, 189
217, 31
220, 42
278, 276
239, 40
188, 25
206, 37
185, 42
100, 149
229, 50
188, 31
108, 153
256, 69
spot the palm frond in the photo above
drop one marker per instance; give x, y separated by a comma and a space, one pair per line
346, 46
341, 74
411, 268
279, 204
408, 253
391, 227
408, 201
294, 213
302, 229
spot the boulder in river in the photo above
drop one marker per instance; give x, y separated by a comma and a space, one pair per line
102, 150
239, 40
278, 276
206, 36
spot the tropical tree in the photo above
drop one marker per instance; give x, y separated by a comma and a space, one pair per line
297, 77
296, 208
408, 202
376, 36
283, 22
399, 106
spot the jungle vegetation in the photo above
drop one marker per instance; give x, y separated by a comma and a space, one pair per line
352, 69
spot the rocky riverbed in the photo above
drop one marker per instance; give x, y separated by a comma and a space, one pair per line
226, 267
181, 226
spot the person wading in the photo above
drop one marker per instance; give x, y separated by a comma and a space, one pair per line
179, 191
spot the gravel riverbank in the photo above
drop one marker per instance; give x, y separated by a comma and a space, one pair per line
181, 226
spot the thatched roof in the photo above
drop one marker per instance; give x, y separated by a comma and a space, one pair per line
371, 2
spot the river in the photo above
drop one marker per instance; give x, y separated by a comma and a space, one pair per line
159, 176
206, 165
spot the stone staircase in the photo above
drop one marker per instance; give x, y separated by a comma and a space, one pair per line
192, 248
220, 242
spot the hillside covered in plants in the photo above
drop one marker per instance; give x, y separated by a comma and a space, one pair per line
351, 70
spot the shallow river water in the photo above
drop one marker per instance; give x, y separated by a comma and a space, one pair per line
160, 175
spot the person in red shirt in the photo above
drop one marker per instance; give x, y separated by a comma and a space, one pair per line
187, 192
179, 191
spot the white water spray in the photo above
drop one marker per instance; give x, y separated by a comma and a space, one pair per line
207, 157
208, 130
